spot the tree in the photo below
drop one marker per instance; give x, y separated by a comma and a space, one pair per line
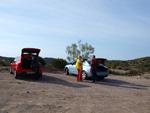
81, 49
73, 52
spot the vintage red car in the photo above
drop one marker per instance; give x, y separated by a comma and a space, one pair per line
22, 65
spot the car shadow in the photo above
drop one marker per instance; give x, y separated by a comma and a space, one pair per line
121, 83
53, 80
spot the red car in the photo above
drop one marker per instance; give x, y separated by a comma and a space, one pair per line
22, 65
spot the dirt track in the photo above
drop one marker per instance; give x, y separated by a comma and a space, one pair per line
56, 92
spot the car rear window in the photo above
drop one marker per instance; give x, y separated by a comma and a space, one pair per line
89, 61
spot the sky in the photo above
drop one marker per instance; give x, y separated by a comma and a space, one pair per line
117, 29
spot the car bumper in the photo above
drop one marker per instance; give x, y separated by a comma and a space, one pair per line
27, 71
99, 74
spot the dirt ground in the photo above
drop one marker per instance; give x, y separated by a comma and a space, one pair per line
59, 93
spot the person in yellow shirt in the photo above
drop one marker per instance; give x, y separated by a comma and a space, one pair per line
79, 68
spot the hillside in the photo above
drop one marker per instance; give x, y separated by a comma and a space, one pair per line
6, 58
5, 61
136, 66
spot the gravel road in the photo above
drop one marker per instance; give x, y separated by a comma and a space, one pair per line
59, 93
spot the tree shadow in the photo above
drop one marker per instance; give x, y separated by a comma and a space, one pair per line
123, 84
53, 80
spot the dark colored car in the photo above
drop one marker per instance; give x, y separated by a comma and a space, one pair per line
22, 65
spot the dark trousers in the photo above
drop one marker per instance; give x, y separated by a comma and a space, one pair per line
36, 70
94, 74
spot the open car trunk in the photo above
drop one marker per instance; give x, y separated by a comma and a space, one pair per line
27, 57
101, 62
101, 68
26, 63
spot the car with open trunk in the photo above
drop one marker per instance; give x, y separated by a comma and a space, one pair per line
102, 70
22, 64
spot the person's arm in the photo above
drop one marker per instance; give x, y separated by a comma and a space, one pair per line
92, 62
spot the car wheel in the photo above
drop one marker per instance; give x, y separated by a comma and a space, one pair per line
16, 75
67, 71
40, 76
84, 75
11, 71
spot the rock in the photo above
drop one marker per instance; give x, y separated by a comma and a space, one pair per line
138, 77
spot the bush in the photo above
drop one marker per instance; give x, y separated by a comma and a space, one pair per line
119, 67
4, 63
42, 61
132, 72
59, 63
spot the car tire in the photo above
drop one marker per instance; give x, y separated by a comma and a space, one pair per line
16, 75
67, 71
11, 71
40, 76
84, 75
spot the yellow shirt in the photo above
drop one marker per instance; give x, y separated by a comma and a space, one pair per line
78, 64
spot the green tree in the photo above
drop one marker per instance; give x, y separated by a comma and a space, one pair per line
73, 52
79, 49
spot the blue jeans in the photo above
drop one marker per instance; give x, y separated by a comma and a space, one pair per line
94, 74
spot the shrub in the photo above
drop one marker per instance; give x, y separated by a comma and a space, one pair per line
119, 67
4, 63
132, 72
42, 61
59, 63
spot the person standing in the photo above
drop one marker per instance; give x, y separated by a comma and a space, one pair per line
35, 66
94, 65
79, 68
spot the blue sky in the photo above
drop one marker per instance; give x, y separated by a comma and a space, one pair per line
117, 29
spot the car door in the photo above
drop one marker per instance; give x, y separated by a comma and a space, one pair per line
72, 69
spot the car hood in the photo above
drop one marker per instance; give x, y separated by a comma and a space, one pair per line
33, 51
101, 60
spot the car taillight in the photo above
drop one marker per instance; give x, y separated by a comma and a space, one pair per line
19, 65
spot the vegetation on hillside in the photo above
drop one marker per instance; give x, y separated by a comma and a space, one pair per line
8, 59
42, 61
132, 67
4, 63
